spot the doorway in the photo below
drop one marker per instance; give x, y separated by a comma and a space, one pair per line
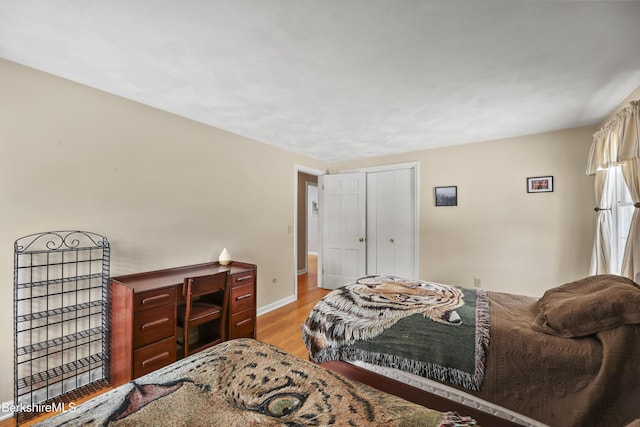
307, 218
307, 238
312, 228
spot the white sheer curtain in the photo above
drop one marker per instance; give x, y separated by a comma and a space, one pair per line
601, 255
618, 143
631, 259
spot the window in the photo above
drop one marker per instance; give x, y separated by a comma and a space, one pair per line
621, 218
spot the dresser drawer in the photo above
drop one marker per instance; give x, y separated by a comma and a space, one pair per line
242, 298
154, 356
242, 325
153, 325
154, 298
240, 279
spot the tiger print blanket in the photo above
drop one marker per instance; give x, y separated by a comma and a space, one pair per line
248, 383
429, 329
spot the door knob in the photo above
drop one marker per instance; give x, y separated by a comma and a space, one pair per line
391, 240
361, 239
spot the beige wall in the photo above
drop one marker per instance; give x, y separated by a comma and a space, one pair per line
511, 240
165, 190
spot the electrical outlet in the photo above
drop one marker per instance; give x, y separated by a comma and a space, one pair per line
476, 282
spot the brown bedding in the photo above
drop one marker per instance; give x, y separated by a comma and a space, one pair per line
248, 383
588, 381
588, 306
570, 358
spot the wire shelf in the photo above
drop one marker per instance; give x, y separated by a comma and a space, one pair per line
50, 282
44, 379
61, 316
59, 311
72, 338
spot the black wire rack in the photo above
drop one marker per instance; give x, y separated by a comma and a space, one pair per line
61, 319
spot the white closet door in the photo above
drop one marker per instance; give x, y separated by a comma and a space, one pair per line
342, 210
391, 223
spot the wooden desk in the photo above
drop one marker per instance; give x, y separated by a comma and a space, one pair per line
143, 314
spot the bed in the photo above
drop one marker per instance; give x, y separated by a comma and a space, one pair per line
570, 358
245, 382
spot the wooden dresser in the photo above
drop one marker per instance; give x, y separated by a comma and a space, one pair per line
242, 305
143, 314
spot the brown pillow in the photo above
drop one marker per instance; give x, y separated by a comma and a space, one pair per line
589, 305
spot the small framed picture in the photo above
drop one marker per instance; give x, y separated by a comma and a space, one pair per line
540, 184
447, 196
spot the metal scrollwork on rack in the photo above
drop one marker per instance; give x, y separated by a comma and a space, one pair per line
55, 240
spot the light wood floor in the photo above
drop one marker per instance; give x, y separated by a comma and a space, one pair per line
281, 327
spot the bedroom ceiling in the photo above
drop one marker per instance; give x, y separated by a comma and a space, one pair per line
343, 79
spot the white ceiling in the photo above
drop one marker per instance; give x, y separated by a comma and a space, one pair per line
344, 79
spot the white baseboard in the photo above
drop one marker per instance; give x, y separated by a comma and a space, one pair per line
274, 305
6, 415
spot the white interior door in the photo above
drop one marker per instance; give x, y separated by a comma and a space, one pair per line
343, 219
391, 223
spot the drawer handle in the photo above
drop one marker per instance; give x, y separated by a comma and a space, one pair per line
244, 297
156, 358
242, 279
155, 298
154, 323
242, 322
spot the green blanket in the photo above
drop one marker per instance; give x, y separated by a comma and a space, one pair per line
444, 340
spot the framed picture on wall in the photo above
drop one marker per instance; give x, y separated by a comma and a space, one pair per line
447, 196
540, 184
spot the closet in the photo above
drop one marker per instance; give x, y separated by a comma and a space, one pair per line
391, 235
368, 224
